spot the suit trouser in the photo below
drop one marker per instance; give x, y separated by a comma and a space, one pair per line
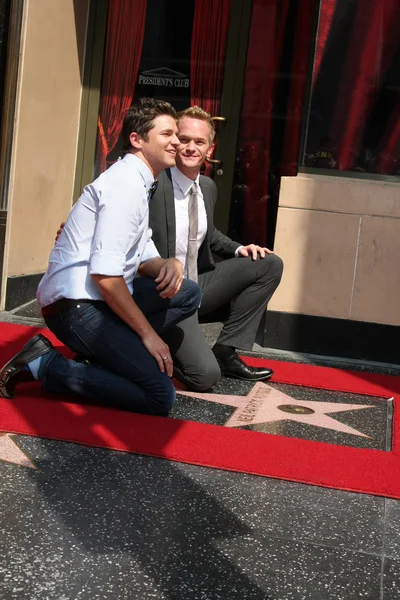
245, 287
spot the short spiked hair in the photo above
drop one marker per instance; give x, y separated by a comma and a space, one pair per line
195, 112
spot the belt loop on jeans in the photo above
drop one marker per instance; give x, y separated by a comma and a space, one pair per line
65, 304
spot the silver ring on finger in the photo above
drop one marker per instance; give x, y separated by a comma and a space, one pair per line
165, 358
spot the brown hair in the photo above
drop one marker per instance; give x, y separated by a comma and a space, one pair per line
140, 117
195, 112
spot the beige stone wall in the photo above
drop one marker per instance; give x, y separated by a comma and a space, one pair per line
46, 130
340, 241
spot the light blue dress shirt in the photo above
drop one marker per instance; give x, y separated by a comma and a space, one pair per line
106, 233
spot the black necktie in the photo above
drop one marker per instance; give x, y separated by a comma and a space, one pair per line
153, 187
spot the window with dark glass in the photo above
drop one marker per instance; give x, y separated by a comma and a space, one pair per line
354, 111
172, 50
278, 57
178, 50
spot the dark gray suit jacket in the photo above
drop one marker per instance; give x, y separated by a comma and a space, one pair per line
162, 222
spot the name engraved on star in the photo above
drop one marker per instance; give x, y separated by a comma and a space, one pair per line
252, 408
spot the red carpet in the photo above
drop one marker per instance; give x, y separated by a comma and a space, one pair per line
367, 471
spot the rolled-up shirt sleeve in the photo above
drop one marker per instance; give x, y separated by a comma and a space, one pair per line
119, 227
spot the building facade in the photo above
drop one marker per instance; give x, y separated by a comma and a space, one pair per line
306, 99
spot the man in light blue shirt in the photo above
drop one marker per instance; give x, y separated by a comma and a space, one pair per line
89, 296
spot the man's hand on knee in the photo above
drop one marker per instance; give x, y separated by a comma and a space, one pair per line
253, 250
170, 278
166, 272
160, 351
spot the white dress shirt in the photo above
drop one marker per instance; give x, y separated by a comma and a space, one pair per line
182, 185
106, 233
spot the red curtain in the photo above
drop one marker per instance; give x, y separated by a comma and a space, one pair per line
299, 68
274, 92
373, 42
207, 61
389, 151
328, 8
124, 40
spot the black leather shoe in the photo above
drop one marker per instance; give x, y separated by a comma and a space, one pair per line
234, 367
12, 373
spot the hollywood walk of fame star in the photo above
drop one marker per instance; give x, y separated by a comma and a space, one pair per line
11, 453
265, 404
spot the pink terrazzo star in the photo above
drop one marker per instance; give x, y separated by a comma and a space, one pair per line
11, 453
265, 404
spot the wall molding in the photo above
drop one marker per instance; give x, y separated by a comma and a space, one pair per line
332, 337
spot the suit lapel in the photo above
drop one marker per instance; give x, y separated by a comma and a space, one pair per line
207, 204
170, 213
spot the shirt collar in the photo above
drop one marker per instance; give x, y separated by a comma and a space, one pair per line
140, 166
183, 182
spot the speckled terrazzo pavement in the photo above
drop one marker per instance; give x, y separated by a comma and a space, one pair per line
94, 524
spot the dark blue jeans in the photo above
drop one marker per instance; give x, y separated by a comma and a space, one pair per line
121, 373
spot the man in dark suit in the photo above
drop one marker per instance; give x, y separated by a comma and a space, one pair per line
243, 281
